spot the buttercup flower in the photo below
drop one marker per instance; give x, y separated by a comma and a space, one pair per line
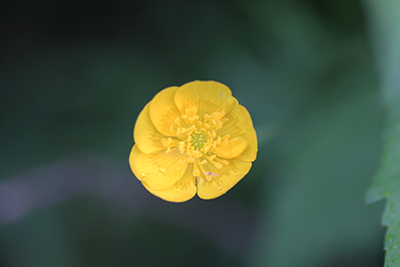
193, 138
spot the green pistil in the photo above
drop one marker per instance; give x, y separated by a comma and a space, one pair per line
198, 140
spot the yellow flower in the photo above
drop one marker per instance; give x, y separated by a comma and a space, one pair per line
193, 138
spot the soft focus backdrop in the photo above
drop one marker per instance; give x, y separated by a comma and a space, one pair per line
75, 74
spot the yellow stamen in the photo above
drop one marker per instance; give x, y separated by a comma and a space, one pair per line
198, 138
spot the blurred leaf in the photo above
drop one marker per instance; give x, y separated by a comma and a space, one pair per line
385, 35
386, 184
386, 181
316, 212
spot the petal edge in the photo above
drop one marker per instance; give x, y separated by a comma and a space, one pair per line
159, 170
145, 134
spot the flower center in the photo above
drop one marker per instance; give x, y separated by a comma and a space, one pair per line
198, 140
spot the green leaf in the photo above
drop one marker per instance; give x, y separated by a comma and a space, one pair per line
386, 184
392, 241
316, 212
385, 37
387, 180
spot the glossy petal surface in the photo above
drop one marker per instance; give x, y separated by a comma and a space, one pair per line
179, 192
232, 149
240, 124
146, 136
207, 96
219, 185
159, 171
163, 111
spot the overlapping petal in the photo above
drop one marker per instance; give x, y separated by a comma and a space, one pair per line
145, 134
163, 111
229, 176
159, 170
232, 149
179, 192
207, 96
240, 124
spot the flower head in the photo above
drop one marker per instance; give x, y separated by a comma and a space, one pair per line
193, 139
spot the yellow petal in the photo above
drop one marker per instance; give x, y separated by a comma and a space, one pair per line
207, 96
179, 192
228, 176
163, 111
146, 136
159, 170
240, 124
232, 149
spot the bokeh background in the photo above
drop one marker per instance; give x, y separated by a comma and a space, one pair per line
75, 75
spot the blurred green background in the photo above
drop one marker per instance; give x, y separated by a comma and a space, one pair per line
75, 75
